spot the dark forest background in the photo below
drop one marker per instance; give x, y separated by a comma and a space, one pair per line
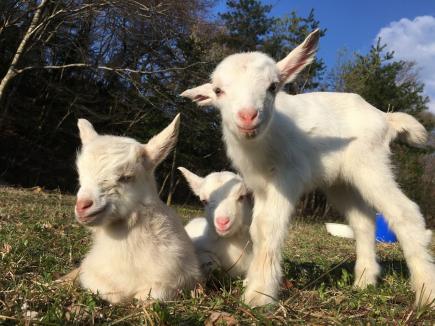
122, 63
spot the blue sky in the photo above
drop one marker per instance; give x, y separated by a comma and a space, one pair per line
408, 26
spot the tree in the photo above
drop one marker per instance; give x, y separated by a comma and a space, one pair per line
121, 64
249, 28
12, 71
288, 32
116, 63
247, 24
387, 84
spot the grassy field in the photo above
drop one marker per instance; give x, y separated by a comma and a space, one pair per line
40, 241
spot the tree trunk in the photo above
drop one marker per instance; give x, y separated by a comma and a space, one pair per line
11, 73
171, 179
162, 187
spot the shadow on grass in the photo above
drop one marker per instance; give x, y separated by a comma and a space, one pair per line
309, 275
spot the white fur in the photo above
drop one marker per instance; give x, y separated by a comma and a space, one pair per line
335, 141
140, 248
196, 228
223, 194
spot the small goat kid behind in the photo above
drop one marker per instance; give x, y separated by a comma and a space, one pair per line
140, 247
222, 238
285, 145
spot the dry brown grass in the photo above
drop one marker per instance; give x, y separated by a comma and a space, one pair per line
39, 241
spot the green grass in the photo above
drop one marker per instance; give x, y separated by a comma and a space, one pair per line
40, 241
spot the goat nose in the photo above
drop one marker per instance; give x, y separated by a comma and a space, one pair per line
222, 221
83, 204
248, 115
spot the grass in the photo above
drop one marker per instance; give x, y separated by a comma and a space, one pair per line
39, 241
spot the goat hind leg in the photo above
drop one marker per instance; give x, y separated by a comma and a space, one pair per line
361, 218
404, 217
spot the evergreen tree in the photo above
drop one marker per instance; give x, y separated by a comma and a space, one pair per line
387, 84
248, 24
250, 28
287, 33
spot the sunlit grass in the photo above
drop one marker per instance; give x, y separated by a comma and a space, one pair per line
40, 241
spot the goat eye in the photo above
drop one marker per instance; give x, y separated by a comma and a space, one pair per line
273, 87
241, 197
218, 91
125, 178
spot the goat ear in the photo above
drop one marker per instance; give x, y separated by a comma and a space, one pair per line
242, 190
250, 196
301, 56
201, 95
246, 194
195, 181
161, 144
87, 131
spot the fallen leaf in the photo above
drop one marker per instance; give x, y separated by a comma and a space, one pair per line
37, 190
6, 249
31, 314
69, 278
198, 291
77, 312
221, 318
287, 284
339, 299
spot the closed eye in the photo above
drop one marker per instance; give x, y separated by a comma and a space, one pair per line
125, 178
273, 88
218, 91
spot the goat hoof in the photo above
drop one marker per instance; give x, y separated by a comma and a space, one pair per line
257, 299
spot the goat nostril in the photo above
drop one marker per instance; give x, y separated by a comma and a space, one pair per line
84, 204
222, 220
248, 115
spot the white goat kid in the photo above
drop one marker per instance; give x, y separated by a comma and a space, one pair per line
140, 248
221, 238
285, 145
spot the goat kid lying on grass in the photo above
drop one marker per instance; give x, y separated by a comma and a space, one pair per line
286, 145
140, 248
222, 238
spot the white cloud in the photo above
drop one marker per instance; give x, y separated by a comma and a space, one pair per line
414, 40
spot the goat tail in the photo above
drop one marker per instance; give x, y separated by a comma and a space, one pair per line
407, 128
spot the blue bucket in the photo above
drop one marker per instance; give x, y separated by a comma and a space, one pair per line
383, 232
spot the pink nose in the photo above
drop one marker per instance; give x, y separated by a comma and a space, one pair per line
222, 221
83, 204
248, 115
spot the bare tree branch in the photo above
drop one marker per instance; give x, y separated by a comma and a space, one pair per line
11, 73
38, 23
114, 69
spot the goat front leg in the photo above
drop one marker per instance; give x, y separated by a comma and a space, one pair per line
70, 278
268, 231
157, 292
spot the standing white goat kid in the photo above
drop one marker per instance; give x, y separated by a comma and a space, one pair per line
286, 145
140, 248
222, 238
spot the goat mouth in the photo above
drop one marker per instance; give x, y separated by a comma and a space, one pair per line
222, 230
249, 132
92, 217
